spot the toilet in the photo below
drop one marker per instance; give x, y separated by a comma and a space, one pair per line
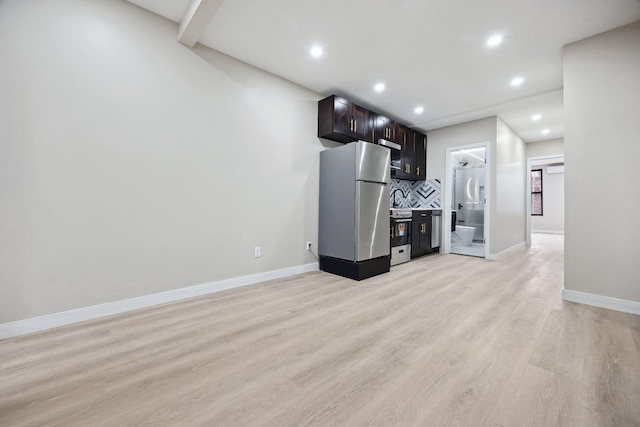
463, 236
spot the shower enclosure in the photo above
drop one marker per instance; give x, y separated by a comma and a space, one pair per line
468, 201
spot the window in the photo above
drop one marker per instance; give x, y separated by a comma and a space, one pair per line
536, 192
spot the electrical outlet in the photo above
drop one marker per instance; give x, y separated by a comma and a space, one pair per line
308, 246
256, 252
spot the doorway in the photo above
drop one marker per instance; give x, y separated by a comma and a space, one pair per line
466, 197
549, 216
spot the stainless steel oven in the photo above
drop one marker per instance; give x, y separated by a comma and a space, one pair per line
400, 236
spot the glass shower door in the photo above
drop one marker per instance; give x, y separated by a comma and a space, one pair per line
468, 202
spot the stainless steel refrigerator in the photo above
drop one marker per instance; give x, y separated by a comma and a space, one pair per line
354, 227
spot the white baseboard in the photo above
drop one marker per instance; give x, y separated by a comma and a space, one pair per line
494, 257
41, 323
623, 305
548, 231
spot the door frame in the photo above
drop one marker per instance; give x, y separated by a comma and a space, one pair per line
531, 162
446, 208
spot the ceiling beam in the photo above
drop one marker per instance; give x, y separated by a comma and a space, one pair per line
195, 20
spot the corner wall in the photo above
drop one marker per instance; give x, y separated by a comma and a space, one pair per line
132, 165
508, 164
438, 140
509, 199
602, 153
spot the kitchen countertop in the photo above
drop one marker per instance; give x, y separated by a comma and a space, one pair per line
420, 209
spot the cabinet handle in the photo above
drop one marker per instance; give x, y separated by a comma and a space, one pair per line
417, 170
407, 168
355, 126
351, 125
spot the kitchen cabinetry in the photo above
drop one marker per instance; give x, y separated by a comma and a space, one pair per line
343, 121
425, 232
413, 154
420, 156
384, 128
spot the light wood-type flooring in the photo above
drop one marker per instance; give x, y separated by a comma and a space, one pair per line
442, 340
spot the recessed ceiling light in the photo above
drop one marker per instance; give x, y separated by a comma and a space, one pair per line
545, 131
418, 110
494, 40
536, 117
517, 81
379, 87
316, 51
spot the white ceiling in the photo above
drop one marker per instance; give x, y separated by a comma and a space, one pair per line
428, 53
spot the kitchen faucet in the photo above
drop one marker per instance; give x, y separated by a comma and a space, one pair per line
395, 204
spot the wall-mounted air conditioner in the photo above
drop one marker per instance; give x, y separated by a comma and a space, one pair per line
555, 169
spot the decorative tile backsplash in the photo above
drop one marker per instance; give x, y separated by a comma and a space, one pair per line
416, 194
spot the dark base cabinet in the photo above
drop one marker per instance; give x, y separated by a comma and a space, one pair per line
425, 232
355, 270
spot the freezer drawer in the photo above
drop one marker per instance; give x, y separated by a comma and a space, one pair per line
400, 254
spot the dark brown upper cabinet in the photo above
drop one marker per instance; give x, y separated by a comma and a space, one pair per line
343, 121
384, 128
413, 154
420, 156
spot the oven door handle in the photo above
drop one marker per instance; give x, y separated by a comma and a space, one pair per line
401, 220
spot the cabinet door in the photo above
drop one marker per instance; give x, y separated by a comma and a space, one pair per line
415, 236
420, 156
398, 171
406, 161
360, 125
343, 121
421, 233
384, 128
425, 236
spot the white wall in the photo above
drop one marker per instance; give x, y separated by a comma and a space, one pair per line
509, 198
602, 152
130, 164
550, 147
552, 219
508, 174
438, 140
